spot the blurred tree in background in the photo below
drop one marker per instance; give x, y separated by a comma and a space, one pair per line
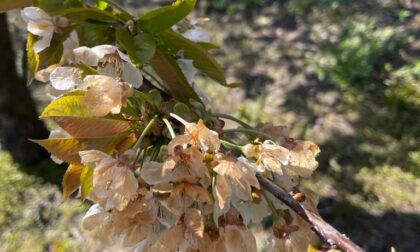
18, 116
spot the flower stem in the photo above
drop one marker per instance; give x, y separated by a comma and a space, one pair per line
169, 126
143, 134
230, 145
271, 206
232, 118
249, 131
180, 119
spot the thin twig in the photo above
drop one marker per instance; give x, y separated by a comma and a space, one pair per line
324, 230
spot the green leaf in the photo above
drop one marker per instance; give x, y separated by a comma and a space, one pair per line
50, 5
82, 127
6, 5
87, 70
174, 80
83, 14
202, 60
68, 105
156, 97
208, 46
185, 112
140, 48
164, 18
71, 180
32, 57
67, 149
92, 35
86, 182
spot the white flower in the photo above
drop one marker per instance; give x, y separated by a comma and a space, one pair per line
65, 78
71, 43
42, 25
114, 63
197, 35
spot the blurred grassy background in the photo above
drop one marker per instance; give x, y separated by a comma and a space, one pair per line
343, 73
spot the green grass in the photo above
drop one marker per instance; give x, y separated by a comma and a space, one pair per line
31, 215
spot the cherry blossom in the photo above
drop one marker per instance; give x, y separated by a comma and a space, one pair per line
42, 25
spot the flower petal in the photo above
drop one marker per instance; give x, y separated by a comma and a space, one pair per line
85, 55
71, 43
131, 74
104, 95
194, 223
239, 239
102, 50
34, 14
152, 173
42, 43
44, 74
197, 35
41, 28
94, 217
302, 158
65, 78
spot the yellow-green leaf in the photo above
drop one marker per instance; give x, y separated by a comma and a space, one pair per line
85, 127
86, 182
165, 17
67, 105
67, 149
32, 57
6, 5
71, 180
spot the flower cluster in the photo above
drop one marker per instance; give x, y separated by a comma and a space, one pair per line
107, 91
197, 198
195, 191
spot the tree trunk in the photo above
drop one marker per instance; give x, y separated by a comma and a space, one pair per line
18, 116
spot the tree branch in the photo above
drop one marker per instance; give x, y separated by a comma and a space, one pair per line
328, 233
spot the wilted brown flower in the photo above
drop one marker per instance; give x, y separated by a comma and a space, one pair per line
185, 194
233, 179
113, 183
182, 164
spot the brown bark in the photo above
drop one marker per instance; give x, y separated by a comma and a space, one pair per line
328, 233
